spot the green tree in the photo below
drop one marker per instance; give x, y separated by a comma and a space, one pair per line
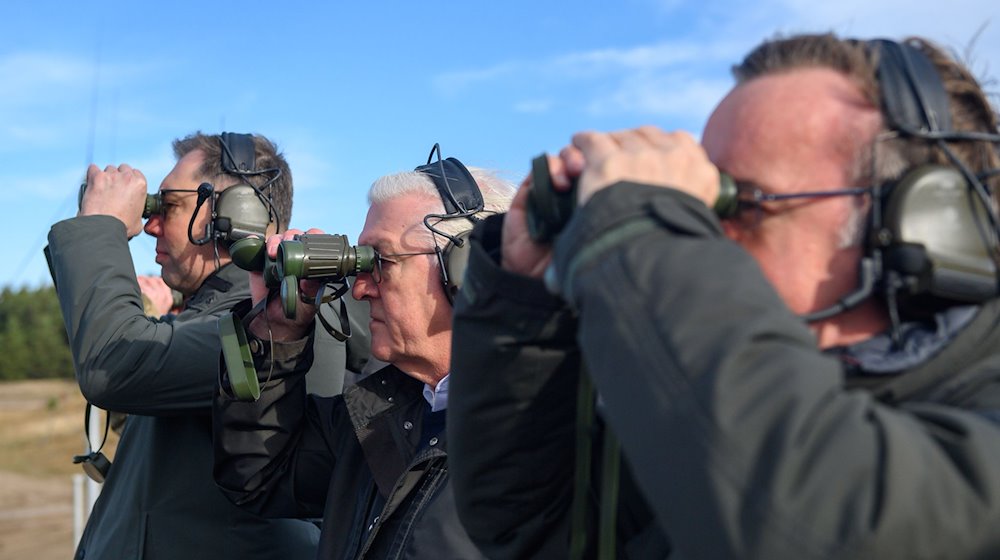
33, 341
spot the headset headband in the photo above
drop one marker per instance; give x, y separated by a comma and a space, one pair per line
914, 100
458, 190
238, 153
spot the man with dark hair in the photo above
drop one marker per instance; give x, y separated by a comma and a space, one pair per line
373, 462
159, 499
814, 375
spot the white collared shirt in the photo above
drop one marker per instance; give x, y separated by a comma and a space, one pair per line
437, 397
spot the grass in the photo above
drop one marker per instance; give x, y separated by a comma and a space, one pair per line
41, 427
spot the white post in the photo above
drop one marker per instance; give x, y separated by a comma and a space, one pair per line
79, 516
94, 434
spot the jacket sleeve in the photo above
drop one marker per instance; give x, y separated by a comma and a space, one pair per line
275, 456
511, 409
126, 361
739, 431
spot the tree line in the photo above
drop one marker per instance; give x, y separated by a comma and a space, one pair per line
33, 342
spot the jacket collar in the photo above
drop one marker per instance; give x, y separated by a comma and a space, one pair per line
970, 348
227, 278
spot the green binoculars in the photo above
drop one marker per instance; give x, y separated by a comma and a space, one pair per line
549, 211
153, 204
309, 256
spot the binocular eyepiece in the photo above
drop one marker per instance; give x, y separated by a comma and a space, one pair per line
154, 205
310, 256
549, 211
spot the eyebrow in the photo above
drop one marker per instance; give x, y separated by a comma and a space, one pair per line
177, 192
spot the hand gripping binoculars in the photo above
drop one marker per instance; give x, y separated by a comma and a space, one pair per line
310, 256
324, 257
549, 211
153, 204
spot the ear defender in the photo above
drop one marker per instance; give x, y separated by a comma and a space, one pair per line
934, 230
462, 199
239, 211
937, 238
454, 261
240, 214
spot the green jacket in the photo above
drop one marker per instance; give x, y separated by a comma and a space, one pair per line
740, 438
159, 499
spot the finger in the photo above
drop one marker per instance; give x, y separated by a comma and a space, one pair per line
92, 172
595, 146
630, 140
139, 175
272, 245
663, 139
520, 200
573, 161
557, 173
313, 231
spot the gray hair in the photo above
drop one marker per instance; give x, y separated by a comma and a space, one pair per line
497, 194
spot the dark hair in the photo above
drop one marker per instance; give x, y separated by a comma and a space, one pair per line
266, 155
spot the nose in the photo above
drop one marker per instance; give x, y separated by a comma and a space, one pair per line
364, 286
154, 225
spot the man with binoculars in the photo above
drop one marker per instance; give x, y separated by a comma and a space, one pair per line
372, 462
158, 498
813, 375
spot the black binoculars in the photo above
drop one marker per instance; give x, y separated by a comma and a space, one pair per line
549, 210
309, 256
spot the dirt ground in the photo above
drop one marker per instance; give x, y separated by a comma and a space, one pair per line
41, 429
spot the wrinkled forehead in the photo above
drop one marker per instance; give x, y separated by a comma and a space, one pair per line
397, 224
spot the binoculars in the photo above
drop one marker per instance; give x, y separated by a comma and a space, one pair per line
549, 211
309, 256
153, 204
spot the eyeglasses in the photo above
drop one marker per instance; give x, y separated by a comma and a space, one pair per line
156, 205
378, 272
750, 201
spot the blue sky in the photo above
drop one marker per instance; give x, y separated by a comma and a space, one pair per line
352, 91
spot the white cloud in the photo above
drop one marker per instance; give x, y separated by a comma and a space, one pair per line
28, 75
59, 185
672, 96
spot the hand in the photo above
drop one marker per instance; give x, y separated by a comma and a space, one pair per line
519, 253
116, 191
272, 323
159, 295
645, 155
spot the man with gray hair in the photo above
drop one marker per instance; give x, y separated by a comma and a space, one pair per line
372, 462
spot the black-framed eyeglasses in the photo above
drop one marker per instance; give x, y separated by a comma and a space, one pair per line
378, 273
750, 209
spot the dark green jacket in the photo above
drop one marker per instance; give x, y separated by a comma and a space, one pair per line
742, 439
159, 499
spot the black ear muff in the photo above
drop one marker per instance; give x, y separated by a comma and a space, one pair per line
462, 199
938, 237
454, 260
